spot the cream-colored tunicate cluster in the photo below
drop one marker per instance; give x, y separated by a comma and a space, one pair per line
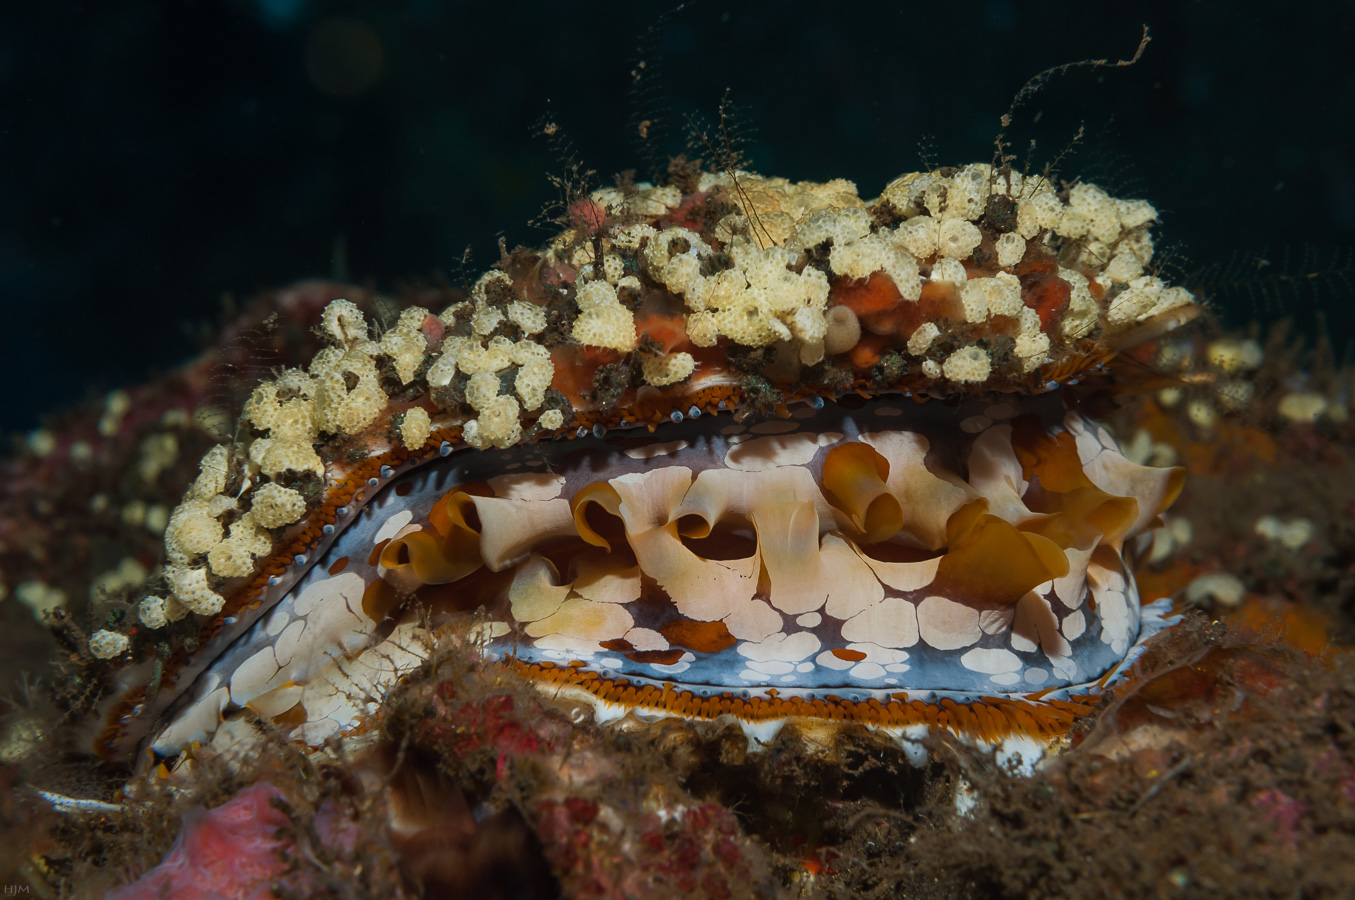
339, 393
776, 206
343, 323
274, 506
761, 299
1083, 311
1232, 355
1011, 248
1089, 212
155, 612
190, 587
116, 405
1221, 588
758, 301
157, 452
234, 557
194, 526
921, 339
616, 211
857, 252
405, 344
1224, 363
486, 313
40, 597
415, 428
290, 425
195, 532
1110, 237
968, 364
670, 368
498, 425
603, 321
1175, 535
529, 317
1146, 297
1032, 344
1291, 534
1302, 407
580, 257
107, 644
129, 573
497, 421
642, 199
340, 408
766, 291
996, 296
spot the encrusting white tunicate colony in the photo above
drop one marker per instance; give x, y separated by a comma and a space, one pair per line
108, 644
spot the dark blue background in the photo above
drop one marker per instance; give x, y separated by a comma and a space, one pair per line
156, 155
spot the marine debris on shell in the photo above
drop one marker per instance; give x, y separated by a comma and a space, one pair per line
792, 314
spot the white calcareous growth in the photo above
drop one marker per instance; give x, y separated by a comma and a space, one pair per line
343, 323
1292, 534
405, 344
415, 428
190, 587
341, 409
603, 321
154, 612
984, 297
1223, 588
108, 644
669, 368
498, 424
275, 506
1302, 407
968, 364
39, 596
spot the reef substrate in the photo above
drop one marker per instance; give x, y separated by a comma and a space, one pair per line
1224, 767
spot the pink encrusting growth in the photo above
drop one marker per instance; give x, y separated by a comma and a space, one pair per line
244, 849
231, 851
